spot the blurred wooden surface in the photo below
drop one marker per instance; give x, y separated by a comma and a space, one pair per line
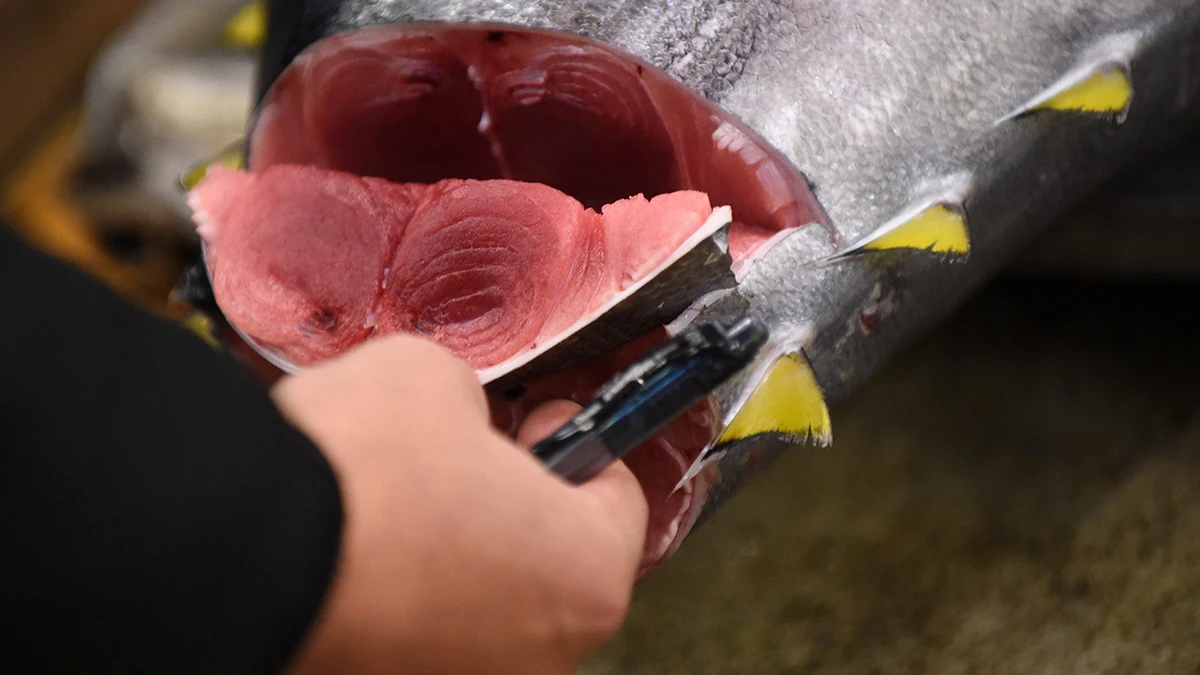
37, 204
46, 47
46, 50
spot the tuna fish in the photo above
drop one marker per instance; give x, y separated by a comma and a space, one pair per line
881, 160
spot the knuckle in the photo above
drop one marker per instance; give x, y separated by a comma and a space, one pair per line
611, 612
435, 369
605, 613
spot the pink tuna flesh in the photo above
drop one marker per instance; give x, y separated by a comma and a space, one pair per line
310, 262
485, 274
422, 104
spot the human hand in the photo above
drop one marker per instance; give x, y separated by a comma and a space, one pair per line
461, 553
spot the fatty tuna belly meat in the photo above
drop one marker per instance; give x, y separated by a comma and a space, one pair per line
309, 262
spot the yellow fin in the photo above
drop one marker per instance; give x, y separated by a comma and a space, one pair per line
939, 229
231, 157
202, 326
1106, 92
248, 28
789, 401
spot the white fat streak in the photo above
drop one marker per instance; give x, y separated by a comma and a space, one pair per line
1113, 51
770, 178
783, 341
205, 229
720, 218
728, 138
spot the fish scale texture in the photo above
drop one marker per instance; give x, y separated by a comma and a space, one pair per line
892, 93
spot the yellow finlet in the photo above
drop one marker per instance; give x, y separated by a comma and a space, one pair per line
789, 401
1108, 92
939, 229
1100, 84
232, 157
202, 326
248, 28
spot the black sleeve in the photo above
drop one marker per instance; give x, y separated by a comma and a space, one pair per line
157, 513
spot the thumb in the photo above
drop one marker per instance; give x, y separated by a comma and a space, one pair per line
615, 491
619, 497
545, 420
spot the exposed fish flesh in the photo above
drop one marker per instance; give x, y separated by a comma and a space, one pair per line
312, 262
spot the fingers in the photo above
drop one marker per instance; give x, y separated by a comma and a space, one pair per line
619, 496
545, 420
429, 366
616, 491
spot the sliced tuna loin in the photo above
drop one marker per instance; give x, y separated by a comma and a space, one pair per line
309, 262
482, 267
297, 262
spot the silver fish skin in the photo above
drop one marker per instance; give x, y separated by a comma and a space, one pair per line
881, 104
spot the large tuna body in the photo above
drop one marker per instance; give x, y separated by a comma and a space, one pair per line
882, 159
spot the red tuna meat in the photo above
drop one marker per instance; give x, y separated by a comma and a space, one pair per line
310, 262
420, 104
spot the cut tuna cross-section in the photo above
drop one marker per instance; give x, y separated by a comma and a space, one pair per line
297, 262
309, 262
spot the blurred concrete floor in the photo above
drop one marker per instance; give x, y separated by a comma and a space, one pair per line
1019, 493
